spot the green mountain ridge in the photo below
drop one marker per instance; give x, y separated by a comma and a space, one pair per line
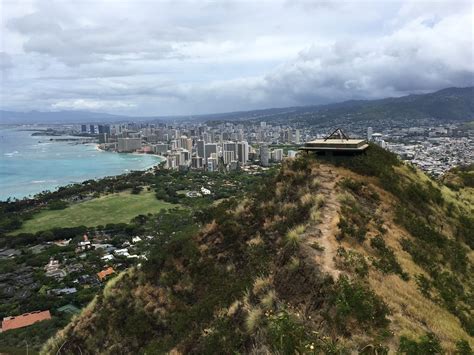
362, 254
450, 104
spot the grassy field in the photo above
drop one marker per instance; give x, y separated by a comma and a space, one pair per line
114, 208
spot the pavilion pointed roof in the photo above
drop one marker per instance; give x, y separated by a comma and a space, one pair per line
337, 134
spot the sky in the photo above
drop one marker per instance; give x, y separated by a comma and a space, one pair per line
145, 57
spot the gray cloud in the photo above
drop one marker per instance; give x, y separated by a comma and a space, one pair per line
144, 57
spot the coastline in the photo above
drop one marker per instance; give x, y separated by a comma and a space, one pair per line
97, 146
36, 167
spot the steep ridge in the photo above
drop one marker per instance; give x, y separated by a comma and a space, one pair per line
357, 254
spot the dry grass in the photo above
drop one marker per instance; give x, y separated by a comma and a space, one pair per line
268, 300
253, 319
261, 284
293, 237
315, 215
413, 314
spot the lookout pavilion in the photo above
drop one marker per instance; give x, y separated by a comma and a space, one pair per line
337, 143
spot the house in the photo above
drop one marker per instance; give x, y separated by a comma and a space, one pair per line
24, 320
102, 275
63, 291
108, 257
62, 243
122, 252
84, 245
205, 191
136, 239
53, 269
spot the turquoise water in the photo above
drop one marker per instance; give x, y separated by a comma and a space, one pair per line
31, 164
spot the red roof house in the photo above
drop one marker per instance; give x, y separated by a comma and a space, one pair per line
24, 320
104, 273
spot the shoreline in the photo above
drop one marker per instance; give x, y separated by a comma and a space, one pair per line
97, 146
24, 188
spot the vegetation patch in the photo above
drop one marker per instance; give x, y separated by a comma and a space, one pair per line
355, 302
352, 261
113, 208
386, 261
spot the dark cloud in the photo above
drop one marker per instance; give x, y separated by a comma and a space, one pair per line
145, 57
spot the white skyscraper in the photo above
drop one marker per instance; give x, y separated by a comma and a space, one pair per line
369, 133
228, 156
297, 136
277, 155
264, 155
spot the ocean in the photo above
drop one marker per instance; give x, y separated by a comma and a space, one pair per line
31, 164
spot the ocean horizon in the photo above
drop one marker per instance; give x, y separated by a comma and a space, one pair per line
32, 164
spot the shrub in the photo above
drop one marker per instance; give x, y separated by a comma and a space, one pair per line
286, 335
354, 300
463, 347
352, 261
387, 262
427, 344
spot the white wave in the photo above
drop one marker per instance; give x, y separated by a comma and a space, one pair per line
43, 181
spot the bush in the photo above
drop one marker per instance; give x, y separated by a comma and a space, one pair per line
427, 344
352, 261
463, 347
354, 300
387, 262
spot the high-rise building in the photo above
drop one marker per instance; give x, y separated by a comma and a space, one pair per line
102, 138
228, 156
264, 155
210, 148
92, 129
184, 157
129, 144
242, 152
297, 136
201, 151
277, 155
230, 147
369, 133
185, 143
196, 163
160, 148
83, 128
100, 129
212, 163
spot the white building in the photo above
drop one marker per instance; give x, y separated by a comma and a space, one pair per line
228, 156
277, 155
264, 155
129, 144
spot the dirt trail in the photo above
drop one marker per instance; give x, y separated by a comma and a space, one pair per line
324, 233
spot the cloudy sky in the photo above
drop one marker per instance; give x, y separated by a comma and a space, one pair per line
145, 57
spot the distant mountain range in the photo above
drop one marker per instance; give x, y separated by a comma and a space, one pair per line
451, 104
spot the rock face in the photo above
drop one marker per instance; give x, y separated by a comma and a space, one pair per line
325, 257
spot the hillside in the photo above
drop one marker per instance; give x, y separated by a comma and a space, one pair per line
450, 104
356, 254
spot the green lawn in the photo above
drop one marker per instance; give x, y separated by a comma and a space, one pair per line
113, 208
